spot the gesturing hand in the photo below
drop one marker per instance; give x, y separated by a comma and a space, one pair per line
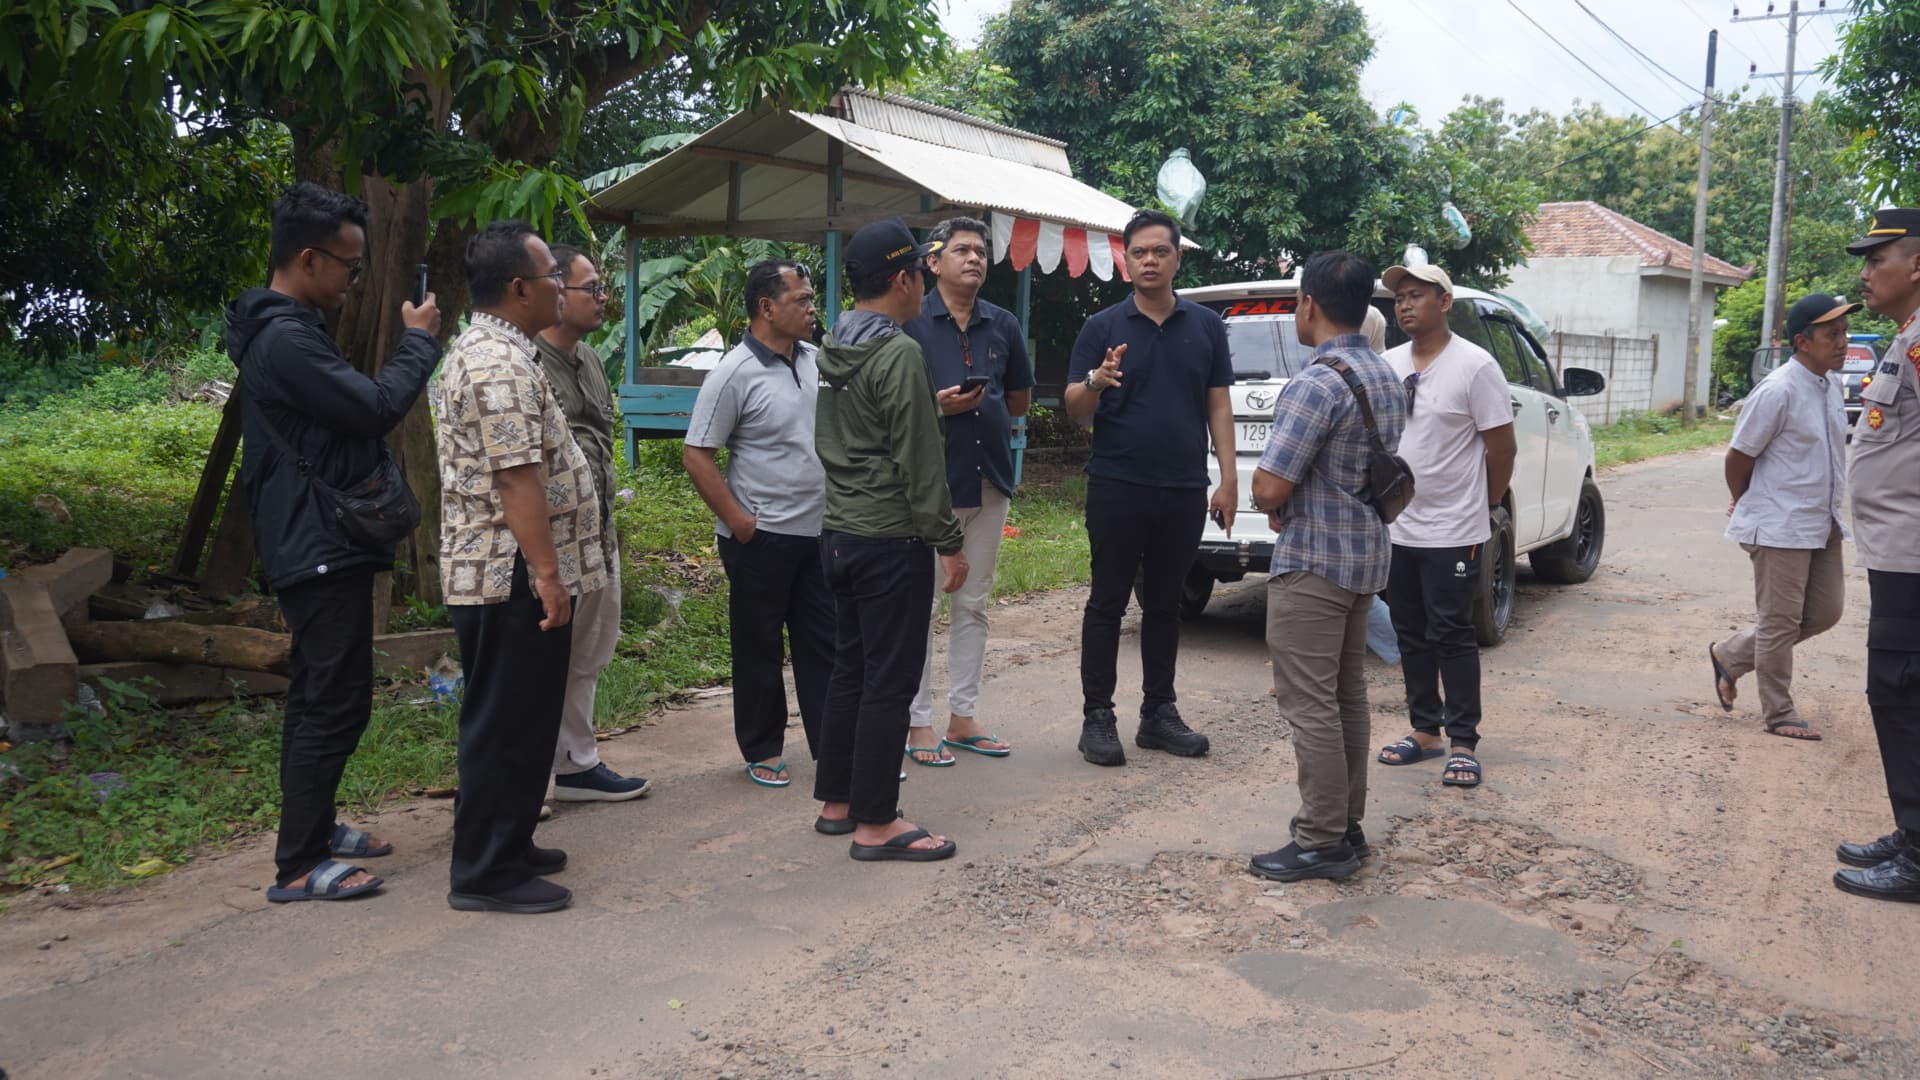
1108, 373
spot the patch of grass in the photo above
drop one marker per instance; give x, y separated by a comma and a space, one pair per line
140, 788
1050, 551
1638, 436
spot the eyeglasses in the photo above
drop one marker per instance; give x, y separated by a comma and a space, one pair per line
598, 289
556, 275
1412, 384
354, 268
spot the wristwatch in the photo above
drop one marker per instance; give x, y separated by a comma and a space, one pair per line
1089, 381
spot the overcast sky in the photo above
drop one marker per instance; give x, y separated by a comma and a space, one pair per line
1433, 52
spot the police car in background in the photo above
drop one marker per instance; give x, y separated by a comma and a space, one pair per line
1554, 513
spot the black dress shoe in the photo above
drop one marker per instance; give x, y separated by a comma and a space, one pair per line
530, 897
542, 861
1294, 863
1356, 839
1162, 729
1872, 854
1897, 878
1100, 738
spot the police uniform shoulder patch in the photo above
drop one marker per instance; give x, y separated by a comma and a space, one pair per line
1875, 418
1914, 353
1889, 368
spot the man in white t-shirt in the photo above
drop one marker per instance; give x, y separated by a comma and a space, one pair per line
1459, 443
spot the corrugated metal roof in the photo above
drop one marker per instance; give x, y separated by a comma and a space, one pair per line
781, 158
940, 126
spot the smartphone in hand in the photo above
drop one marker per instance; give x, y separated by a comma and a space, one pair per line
419, 284
974, 382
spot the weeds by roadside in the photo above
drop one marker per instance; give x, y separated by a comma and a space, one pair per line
1638, 436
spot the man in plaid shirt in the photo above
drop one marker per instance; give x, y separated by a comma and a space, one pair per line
1329, 559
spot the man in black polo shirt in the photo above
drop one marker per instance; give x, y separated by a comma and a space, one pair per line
1152, 373
982, 379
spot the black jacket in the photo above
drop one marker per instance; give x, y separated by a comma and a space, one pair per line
292, 374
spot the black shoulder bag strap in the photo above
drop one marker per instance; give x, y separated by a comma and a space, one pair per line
1360, 396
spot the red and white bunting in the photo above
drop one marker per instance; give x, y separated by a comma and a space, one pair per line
1023, 241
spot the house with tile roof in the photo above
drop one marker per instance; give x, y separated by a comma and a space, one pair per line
1597, 271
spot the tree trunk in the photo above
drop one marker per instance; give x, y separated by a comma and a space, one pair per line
181, 643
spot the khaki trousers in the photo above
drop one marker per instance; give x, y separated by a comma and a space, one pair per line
1797, 593
1317, 635
596, 630
983, 526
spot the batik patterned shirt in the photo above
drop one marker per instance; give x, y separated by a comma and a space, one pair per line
495, 410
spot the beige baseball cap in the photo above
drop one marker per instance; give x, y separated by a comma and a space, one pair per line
1429, 273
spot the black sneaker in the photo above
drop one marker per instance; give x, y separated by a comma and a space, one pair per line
531, 897
1294, 863
1162, 729
1100, 738
1896, 879
1872, 854
1356, 839
541, 861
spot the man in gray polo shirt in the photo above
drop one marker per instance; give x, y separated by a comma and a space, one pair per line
759, 404
1786, 471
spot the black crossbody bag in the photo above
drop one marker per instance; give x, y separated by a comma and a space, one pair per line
1389, 479
375, 510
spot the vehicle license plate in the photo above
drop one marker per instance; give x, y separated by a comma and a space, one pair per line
1252, 436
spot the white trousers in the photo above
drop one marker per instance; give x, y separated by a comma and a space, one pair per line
596, 630
967, 632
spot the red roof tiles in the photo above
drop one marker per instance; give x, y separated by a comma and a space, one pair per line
1571, 230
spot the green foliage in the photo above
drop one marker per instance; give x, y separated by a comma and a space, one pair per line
1877, 100
1638, 436
967, 80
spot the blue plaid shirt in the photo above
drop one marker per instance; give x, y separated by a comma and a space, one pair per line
1320, 443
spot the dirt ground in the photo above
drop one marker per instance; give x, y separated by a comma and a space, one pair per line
1640, 889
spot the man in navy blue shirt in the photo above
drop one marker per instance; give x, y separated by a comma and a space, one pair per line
1151, 372
982, 379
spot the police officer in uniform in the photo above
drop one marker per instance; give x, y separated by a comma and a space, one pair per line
1885, 484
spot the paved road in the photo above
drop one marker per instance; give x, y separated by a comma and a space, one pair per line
1639, 890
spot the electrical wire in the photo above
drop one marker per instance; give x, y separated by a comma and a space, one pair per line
1726, 41
1448, 30
1646, 61
1577, 58
1616, 142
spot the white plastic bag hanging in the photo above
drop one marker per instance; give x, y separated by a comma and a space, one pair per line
1180, 186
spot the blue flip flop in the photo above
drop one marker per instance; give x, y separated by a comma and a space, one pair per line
323, 883
1462, 762
972, 742
775, 768
941, 759
355, 844
1410, 752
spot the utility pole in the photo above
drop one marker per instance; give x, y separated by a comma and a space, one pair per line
1695, 285
1776, 227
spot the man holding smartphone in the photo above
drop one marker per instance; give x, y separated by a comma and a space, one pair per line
982, 378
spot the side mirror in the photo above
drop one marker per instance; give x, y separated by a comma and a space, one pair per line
1582, 382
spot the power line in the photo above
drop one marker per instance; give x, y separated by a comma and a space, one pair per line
1725, 44
1618, 141
1577, 59
1645, 61
1448, 30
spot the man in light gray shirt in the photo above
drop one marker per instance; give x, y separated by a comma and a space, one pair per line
1786, 471
759, 404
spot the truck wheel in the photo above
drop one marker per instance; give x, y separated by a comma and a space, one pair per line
1573, 560
1493, 606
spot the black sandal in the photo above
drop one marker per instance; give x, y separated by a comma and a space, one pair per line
1461, 761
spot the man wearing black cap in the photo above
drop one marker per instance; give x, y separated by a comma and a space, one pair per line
878, 434
1885, 481
1786, 473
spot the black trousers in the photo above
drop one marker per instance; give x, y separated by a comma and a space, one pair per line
1154, 534
329, 700
1893, 690
883, 599
1430, 592
516, 685
777, 582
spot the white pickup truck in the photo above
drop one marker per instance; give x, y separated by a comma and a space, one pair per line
1554, 514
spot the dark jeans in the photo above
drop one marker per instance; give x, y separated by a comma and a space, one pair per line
329, 700
776, 582
1430, 593
1893, 690
1152, 533
883, 598
516, 686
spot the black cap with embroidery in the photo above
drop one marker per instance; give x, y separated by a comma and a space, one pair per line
883, 247
1888, 225
1815, 308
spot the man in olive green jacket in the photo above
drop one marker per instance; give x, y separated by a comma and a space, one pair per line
878, 435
